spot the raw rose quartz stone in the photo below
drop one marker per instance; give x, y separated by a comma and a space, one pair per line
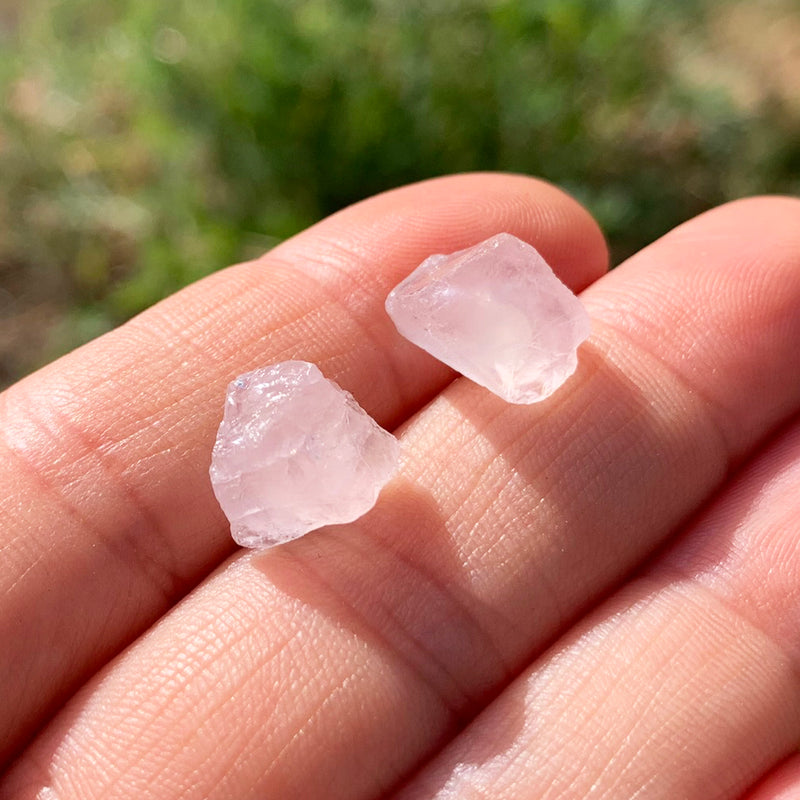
496, 313
295, 452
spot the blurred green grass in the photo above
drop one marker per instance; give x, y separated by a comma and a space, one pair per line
145, 144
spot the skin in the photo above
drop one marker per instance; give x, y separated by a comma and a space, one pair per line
595, 596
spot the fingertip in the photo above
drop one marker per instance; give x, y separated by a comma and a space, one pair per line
459, 211
769, 215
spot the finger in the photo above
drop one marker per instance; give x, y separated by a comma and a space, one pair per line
107, 512
695, 666
781, 784
366, 646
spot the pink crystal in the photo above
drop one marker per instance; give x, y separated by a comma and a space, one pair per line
295, 452
496, 313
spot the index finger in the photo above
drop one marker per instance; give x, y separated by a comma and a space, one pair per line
108, 515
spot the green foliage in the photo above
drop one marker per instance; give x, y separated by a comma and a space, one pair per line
144, 144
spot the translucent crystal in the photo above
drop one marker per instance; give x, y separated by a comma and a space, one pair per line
295, 452
496, 313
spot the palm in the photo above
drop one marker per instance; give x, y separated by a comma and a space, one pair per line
582, 580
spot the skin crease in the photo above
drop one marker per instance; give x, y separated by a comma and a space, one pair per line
719, 667
592, 634
113, 441
781, 784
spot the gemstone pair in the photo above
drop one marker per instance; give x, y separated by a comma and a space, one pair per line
295, 452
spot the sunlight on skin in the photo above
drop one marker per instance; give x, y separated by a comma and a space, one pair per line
113, 441
642, 682
335, 666
702, 648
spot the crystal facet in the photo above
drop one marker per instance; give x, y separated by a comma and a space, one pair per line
496, 313
295, 452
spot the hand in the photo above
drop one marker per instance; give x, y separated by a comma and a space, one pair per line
605, 585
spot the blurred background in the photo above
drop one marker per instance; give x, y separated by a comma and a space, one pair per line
144, 144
